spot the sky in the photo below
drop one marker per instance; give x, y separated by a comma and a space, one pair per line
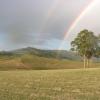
44, 23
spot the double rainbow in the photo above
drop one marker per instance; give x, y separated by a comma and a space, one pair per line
51, 12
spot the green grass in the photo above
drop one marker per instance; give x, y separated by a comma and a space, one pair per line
71, 84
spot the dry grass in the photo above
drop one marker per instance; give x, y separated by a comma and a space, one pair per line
40, 63
75, 84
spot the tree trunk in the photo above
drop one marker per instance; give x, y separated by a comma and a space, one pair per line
87, 62
84, 62
90, 63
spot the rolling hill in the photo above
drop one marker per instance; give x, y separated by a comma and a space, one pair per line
58, 54
32, 58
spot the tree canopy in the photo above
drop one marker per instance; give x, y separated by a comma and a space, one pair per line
86, 44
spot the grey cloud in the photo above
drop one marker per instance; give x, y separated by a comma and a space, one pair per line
21, 20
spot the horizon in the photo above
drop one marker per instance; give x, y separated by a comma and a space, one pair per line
8, 50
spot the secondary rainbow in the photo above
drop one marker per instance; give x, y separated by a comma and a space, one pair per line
49, 15
77, 20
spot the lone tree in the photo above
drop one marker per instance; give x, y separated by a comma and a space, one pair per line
86, 44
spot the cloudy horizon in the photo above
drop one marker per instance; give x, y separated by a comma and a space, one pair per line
43, 23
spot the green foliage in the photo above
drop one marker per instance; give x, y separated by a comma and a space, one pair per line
98, 49
85, 43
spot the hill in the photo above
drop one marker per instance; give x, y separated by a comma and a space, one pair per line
58, 54
32, 58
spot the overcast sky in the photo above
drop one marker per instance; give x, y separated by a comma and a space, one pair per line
43, 23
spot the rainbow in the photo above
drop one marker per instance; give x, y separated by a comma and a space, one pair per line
50, 14
76, 21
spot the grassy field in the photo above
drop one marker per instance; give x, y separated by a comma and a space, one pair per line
71, 84
30, 62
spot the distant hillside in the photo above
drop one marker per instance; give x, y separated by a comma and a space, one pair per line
32, 58
58, 54
33, 62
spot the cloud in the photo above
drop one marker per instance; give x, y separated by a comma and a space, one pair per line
88, 21
27, 22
